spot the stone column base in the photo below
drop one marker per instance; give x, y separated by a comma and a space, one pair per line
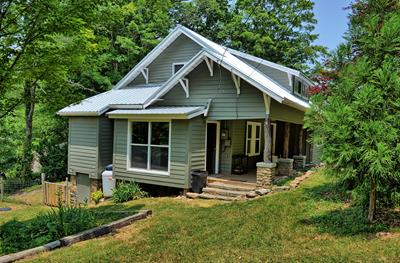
299, 162
285, 167
265, 172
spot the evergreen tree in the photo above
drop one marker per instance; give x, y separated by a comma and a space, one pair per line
358, 120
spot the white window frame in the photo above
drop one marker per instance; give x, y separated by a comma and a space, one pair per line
176, 64
149, 145
253, 139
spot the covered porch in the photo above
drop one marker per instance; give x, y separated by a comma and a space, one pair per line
234, 147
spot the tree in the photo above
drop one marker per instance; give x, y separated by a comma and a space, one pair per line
277, 30
358, 121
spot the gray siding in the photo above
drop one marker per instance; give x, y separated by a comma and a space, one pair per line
282, 112
226, 105
277, 75
82, 147
178, 156
160, 70
106, 130
197, 143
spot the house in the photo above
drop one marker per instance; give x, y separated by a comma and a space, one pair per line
191, 104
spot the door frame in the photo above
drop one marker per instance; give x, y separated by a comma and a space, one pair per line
217, 146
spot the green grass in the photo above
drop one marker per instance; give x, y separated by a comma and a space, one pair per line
309, 224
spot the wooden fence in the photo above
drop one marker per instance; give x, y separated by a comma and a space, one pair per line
54, 193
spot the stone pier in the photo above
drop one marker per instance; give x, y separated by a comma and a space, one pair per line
265, 173
285, 167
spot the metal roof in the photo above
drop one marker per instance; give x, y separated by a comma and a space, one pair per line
123, 98
170, 112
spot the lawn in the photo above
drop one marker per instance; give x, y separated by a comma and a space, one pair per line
309, 224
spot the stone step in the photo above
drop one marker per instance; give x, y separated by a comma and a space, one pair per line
230, 182
233, 187
210, 196
224, 192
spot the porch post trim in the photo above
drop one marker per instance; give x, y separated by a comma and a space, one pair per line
267, 130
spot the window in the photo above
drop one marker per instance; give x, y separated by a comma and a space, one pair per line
176, 67
253, 138
149, 146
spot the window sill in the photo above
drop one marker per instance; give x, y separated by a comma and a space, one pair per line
151, 172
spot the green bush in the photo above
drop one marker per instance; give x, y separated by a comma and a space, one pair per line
19, 235
96, 196
127, 191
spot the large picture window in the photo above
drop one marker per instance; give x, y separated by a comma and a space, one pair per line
253, 138
149, 146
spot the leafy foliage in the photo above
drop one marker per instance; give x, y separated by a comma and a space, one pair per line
96, 196
358, 123
127, 191
19, 235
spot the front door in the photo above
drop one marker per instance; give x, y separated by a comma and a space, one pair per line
212, 147
83, 188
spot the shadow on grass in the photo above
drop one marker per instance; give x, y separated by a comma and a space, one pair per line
328, 192
347, 221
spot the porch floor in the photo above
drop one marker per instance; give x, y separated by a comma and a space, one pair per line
249, 177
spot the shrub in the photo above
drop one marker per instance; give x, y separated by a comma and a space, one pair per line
96, 196
19, 235
128, 191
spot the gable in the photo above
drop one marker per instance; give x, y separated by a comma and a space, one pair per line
221, 89
279, 76
160, 69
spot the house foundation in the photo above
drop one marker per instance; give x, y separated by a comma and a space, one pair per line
299, 162
265, 173
285, 167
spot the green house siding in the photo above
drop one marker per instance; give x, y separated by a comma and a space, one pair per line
179, 168
282, 112
160, 70
82, 147
197, 143
226, 105
106, 131
280, 77
90, 145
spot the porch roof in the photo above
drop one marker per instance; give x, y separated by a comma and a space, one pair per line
159, 112
132, 97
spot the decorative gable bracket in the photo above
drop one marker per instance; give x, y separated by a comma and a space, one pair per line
207, 107
185, 85
145, 73
210, 65
236, 80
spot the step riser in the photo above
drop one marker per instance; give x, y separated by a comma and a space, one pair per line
230, 187
216, 191
230, 182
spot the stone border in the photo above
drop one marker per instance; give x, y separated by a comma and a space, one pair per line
72, 239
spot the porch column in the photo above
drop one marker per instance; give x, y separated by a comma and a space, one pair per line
285, 165
300, 160
266, 169
286, 135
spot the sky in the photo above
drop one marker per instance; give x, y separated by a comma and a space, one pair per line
332, 21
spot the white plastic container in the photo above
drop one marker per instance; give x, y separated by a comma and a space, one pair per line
108, 183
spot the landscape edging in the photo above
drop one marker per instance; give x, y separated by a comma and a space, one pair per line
72, 239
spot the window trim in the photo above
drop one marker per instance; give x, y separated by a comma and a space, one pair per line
149, 145
253, 132
177, 64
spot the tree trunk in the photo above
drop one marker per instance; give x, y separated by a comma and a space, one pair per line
286, 136
27, 159
267, 139
372, 202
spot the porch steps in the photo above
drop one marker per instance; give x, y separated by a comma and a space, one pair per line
232, 187
230, 182
226, 190
210, 196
